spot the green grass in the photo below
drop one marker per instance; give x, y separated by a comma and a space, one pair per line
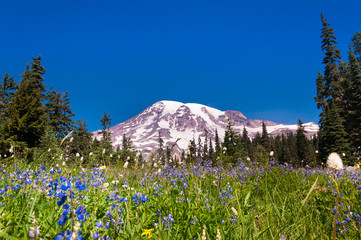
271, 203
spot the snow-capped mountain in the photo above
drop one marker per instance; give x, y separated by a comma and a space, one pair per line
176, 120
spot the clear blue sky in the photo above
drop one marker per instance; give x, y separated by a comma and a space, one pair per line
257, 57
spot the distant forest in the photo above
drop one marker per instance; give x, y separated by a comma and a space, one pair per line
37, 124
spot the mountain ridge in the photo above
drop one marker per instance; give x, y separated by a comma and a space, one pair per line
187, 121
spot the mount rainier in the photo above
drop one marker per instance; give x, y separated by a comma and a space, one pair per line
174, 120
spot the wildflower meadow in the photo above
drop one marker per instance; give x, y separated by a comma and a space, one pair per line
198, 201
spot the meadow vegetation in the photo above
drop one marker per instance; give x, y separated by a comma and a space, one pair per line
199, 201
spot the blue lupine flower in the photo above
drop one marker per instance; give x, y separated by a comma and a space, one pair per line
62, 200
99, 224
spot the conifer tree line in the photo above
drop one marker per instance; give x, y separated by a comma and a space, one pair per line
339, 97
34, 122
295, 149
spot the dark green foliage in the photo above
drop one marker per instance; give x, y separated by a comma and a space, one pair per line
233, 149
331, 96
303, 146
59, 112
25, 117
82, 140
49, 148
105, 123
289, 154
265, 139
217, 144
205, 146
354, 102
160, 150
356, 45
192, 151
334, 137
211, 153
249, 147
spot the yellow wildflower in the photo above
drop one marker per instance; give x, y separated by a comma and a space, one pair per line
147, 232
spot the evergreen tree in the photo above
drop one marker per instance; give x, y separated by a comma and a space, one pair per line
304, 151
354, 100
211, 151
192, 151
290, 150
234, 149
248, 144
105, 123
265, 139
160, 151
199, 149
25, 118
330, 95
205, 145
7, 91
59, 112
218, 145
356, 45
82, 140
334, 137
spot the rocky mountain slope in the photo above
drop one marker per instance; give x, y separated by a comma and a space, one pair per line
189, 121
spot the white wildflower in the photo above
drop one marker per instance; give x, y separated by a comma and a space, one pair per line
77, 155
49, 149
82, 158
71, 139
343, 154
204, 233
115, 182
90, 154
102, 167
128, 158
11, 150
76, 227
155, 165
219, 237
316, 151
103, 151
271, 153
105, 185
126, 164
248, 159
234, 211
74, 236
334, 162
111, 155
63, 163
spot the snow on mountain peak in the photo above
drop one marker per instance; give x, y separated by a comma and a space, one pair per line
189, 121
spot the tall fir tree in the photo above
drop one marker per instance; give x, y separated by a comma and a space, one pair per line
25, 118
105, 123
356, 45
304, 150
59, 112
265, 139
330, 96
217, 145
82, 139
354, 98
